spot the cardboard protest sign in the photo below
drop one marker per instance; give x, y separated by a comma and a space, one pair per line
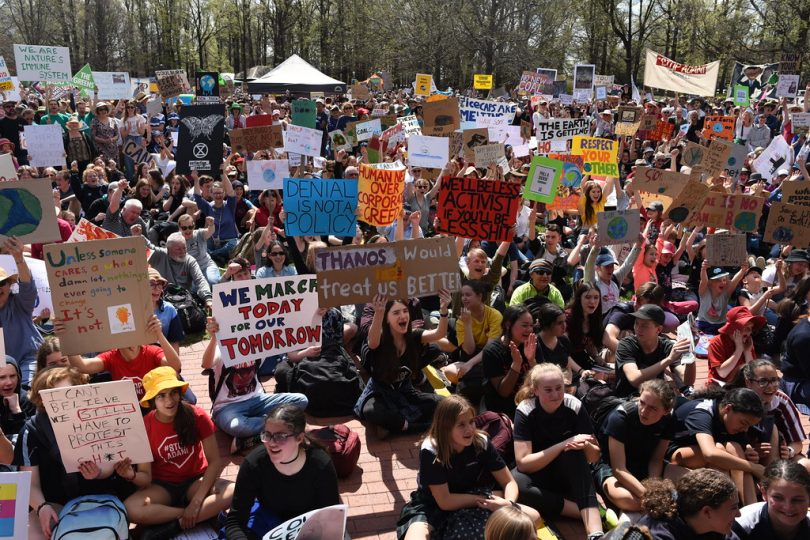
424, 83
726, 249
535, 83
715, 157
800, 121
599, 155
788, 224
410, 124
441, 117
199, 148
692, 154
430, 152
45, 146
563, 129
472, 109
661, 72
648, 122
659, 181
719, 126
544, 179
320, 207
687, 202
267, 173
83, 80
626, 130
40, 63
618, 226
360, 92
172, 82
477, 208
340, 141
99, 422
355, 274
365, 130
6, 83
736, 159
102, 293
15, 491
207, 87
482, 82
303, 113
7, 170
789, 63
629, 115
253, 139
112, 84
794, 192
487, 154
380, 194
788, 86
265, 317
604, 80
27, 211
584, 75
473, 138
733, 212
302, 140
136, 152
777, 155
324, 523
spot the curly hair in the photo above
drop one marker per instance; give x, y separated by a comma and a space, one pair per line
664, 500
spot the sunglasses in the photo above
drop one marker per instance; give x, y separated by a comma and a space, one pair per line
3, 283
187, 228
276, 253
542, 272
278, 438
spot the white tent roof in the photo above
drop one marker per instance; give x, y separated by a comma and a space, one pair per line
298, 76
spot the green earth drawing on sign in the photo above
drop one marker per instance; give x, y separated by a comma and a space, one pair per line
745, 221
617, 228
20, 212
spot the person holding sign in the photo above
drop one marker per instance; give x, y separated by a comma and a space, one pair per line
393, 355
182, 486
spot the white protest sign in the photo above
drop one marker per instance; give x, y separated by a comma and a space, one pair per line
788, 86
45, 147
99, 422
265, 317
726, 249
487, 154
14, 93
15, 490
327, 523
563, 129
617, 226
112, 84
471, 109
519, 147
601, 92
42, 63
685, 331
410, 124
426, 151
6, 83
800, 120
303, 140
566, 99
777, 156
40, 277
7, 170
340, 141
365, 130
267, 173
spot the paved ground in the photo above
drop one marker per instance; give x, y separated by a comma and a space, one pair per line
386, 472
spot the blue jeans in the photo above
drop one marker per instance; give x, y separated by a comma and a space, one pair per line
246, 418
223, 252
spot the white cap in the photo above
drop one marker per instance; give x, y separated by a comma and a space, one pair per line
783, 172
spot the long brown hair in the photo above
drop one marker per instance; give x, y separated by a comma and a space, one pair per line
440, 433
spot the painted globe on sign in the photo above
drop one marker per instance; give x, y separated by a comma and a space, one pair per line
20, 212
268, 175
572, 176
745, 221
617, 227
207, 83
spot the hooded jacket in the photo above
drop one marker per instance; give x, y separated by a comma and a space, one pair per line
12, 423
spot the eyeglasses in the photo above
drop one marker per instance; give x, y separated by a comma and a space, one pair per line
276, 253
766, 382
156, 284
278, 438
187, 228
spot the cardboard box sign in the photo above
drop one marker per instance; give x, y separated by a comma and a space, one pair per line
406, 269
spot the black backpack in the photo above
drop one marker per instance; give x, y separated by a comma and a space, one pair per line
599, 399
330, 382
191, 314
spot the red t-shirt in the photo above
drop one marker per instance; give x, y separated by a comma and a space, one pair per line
175, 463
721, 347
120, 369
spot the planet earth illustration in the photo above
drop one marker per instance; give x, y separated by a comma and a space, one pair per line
20, 212
617, 227
207, 83
572, 176
268, 175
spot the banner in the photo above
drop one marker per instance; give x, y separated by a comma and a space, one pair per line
600, 156
426, 151
27, 211
267, 173
380, 194
355, 274
562, 129
482, 82
266, 317
207, 87
302, 140
112, 84
40, 63
478, 209
726, 249
661, 72
788, 224
15, 492
324, 523
753, 77
97, 422
318, 207
199, 148
471, 109
101, 293
617, 227
45, 146
172, 82
543, 181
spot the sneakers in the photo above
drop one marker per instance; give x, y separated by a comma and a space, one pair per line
609, 518
240, 445
167, 531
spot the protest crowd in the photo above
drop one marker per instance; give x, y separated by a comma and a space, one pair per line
589, 304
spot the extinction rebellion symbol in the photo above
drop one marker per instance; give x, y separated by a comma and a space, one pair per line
200, 150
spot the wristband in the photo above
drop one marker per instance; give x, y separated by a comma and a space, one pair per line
41, 505
442, 315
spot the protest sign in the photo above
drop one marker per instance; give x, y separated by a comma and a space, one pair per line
599, 155
410, 124
726, 249
257, 120
482, 82
661, 72
355, 274
736, 159
535, 83
303, 113
472, 109
659, 181
380, 194
426, 151
566, 99
15, 492
800, 121
136, 151
154, 106
441, 118
27, 211
563, 129
423, 85
40, 63
7, 170
98, 422
788, 86
302, 140
692, 154
172, 82
253, 139
520, 146
617, 226
324, 523
794, 192
623, 129
84, 81
340, 141
40, 277
601, 92
45, 147
87, 230
473, 138
487, 154
477, 208
741, 96
199, 148
365, 130
733, 212
789, 63
543, 180
318, 207
788, 224
551, 74
568, 190
604, 80
629, 115
719, 126
101, 293
583, 79
267, 173
266, 317
6, 83
776, 156
112, 84
207, 87
360, 92
715, 157
687, 202
661, 132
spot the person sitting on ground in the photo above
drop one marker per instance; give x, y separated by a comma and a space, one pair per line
714, 290
733, 346
795, 364
619, 321
120, 219
197, 245
15, 408
540, 271
510, 523
50, 354
178, 267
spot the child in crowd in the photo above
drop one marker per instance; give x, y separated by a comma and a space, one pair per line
714, 291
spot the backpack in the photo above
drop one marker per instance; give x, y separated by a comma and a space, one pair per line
599, 400
499, 429
331, 384
343, 445
92, 517
191, 314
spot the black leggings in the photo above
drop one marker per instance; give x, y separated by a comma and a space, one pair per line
567, 477
380, 412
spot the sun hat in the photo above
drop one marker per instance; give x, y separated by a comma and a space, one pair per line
739, 316
159, 379
5, 275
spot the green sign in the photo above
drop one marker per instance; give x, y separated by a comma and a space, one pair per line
83, 80
741, 96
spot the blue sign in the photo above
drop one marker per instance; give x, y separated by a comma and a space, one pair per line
318, 207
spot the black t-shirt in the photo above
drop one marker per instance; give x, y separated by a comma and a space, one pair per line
619, 316
629, 351
701, 416
386, 368
467, 471
496, 362
544, 430
559, 355
640, 441
663, 273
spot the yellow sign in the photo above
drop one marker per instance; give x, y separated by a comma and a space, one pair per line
423, 84
599, 155
482, 82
